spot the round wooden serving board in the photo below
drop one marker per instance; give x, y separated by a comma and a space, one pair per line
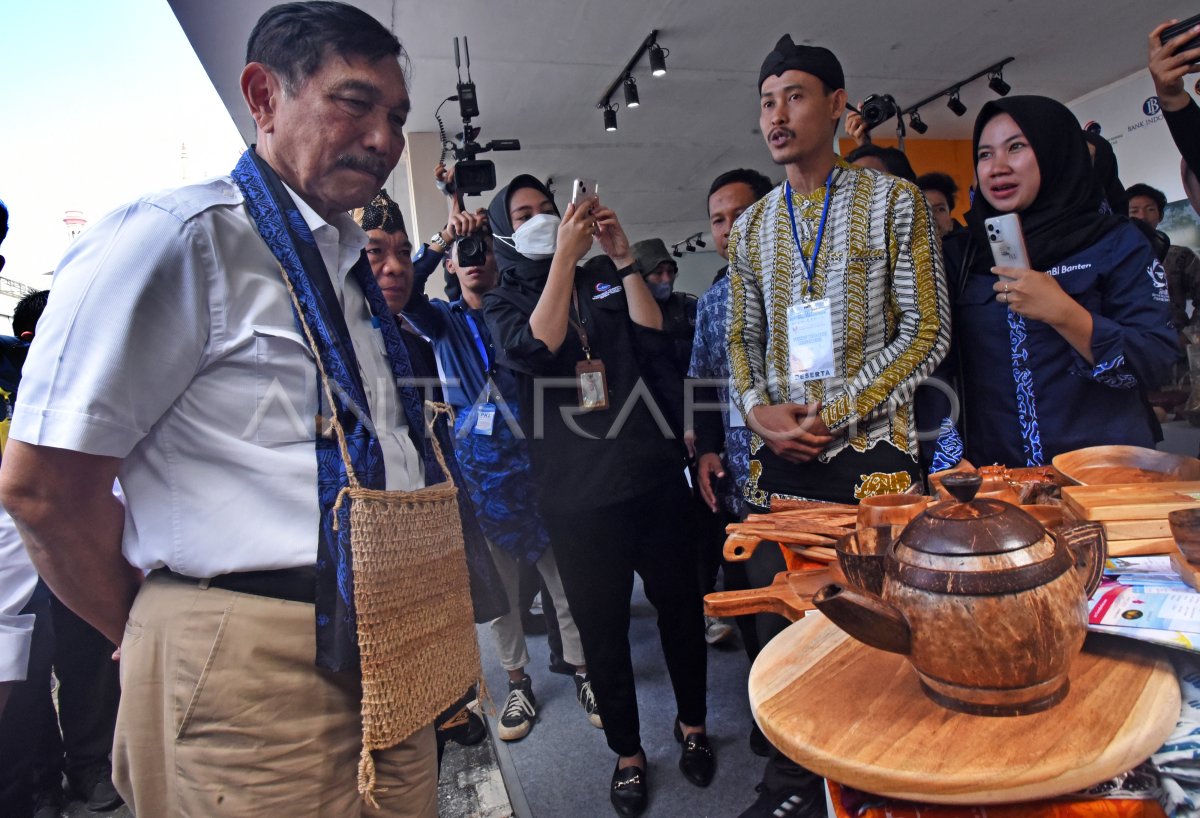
857, 715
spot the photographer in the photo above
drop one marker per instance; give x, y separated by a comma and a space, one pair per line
609, 476
494, 462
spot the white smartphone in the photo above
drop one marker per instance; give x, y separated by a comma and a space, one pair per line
583, 189
1007, 241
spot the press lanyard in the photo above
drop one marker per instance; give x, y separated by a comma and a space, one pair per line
479, 344
809, 269
579, 325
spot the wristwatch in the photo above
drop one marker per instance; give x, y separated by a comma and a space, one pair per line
437, 241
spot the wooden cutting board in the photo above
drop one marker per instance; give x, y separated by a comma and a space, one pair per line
857, 715
1137, 501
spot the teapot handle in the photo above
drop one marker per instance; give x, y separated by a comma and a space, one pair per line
1088, 545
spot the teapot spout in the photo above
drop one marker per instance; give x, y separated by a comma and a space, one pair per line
866, 617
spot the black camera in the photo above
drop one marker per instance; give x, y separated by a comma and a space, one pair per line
877, 109
472, 250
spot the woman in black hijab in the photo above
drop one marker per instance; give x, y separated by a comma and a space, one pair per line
599, 404
1057, 357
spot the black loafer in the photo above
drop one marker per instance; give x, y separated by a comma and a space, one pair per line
697, 762
628, 790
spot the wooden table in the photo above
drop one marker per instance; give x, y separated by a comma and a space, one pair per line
856, 715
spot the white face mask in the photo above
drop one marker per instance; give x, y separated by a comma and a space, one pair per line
536, 239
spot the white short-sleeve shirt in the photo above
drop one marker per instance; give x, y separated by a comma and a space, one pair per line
169, 341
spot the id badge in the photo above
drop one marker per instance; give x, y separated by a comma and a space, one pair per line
593, 386
485, 419
810, 340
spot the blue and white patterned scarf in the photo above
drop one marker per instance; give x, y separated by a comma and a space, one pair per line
291, 242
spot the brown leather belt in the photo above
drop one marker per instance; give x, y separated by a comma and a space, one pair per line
292, 584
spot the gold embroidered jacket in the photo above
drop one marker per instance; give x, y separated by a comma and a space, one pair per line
880, 265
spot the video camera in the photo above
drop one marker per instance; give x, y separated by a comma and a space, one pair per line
472, 176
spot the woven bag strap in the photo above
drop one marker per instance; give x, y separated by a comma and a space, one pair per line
333, 418
435, 407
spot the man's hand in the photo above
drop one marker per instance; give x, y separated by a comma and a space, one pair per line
708, 471
1168, 67
856, 128
793, 431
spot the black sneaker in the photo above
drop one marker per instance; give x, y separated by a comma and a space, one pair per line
758, 742
786, 803
587, 698
94, 786
520, 710
48, 803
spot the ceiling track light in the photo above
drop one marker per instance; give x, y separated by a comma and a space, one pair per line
998, 85
658, 60
631, 92
996, 82
610, 117
626, 80
675, 251
700, 241
956, 105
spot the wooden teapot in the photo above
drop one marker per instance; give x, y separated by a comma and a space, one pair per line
988, 606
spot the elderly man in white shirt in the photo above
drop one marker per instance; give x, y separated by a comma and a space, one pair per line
170, 356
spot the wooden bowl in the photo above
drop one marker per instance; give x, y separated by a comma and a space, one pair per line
862, 556
1107, 465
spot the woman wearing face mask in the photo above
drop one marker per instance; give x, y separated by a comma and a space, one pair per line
1057, 357
591, 359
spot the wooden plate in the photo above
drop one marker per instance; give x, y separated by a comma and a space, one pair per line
856, 715
1104, 465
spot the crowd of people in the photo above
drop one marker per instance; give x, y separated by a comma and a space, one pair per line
227, 392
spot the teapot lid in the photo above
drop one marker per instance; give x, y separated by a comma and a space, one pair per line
964, 525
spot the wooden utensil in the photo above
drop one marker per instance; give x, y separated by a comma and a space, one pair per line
1107, 465
790, 595
888, 738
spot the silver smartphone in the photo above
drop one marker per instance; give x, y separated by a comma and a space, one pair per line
1007, 241
583, 189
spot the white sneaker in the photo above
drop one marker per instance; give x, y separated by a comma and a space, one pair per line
716, 630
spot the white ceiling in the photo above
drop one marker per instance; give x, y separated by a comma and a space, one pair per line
541, 65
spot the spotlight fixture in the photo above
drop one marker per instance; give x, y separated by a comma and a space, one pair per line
658, 59
995, 75
700, 242
610, 117
631, 92
996, 83
691, 248
955, 104
675, 252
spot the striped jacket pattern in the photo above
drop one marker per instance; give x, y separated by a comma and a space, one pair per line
881, 267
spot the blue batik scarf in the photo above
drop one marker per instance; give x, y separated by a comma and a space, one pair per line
286, 233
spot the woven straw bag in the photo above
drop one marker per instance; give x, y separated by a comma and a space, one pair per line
412, 598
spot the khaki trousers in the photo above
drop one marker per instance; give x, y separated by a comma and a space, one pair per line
224, 713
